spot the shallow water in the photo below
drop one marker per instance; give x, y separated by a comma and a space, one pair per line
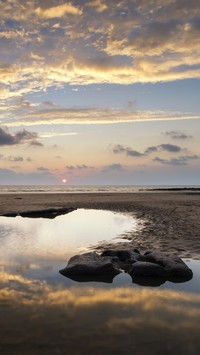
43, 312
39, 247
40, 239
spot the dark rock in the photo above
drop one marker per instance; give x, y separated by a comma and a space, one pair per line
174, 266
91, 278
150, 269
122, 254
144, 268
92, 267
10, 214
148, 281
45, 213
124, 258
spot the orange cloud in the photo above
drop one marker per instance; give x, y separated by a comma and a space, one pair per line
98, 5
120, 44
58, 11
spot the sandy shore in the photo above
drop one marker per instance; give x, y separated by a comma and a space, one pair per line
170, 221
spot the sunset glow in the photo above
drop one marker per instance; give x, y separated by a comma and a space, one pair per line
106, 92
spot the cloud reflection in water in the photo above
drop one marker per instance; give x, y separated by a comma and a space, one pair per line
38, 318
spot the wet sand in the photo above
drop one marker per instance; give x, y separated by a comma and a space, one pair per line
170, 221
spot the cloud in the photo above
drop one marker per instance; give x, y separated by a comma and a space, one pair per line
12, 158
112, 167
25, 135
117, 149
18, 138
48, 113
58, 11
165, 147
182, 160
41, 168
22, 102
150, 150
170, 148
178, 135
16, 159
8, 177
98, 5
128, 151
35, 143
48, 103
131, 42
79, 167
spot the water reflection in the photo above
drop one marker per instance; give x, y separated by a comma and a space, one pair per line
38, 248
44, 313
30, 238
41, 318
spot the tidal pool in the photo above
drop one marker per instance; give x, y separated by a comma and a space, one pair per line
43, 312
62, 236
40, 247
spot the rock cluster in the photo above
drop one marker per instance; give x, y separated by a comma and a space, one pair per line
151, 268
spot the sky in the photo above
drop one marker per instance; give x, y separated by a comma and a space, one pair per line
100, 92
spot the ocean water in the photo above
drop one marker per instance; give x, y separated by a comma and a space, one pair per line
64, 188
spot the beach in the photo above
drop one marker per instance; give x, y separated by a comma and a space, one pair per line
170, 221
46, 313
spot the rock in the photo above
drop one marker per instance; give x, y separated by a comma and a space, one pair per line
124, 258
145, 268
91, 278
152, 268
45, 213
174, 266
123, 254
148, 281
92, 267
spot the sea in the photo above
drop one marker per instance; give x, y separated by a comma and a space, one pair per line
4, 189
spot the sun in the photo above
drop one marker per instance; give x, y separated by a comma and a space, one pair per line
64, 180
